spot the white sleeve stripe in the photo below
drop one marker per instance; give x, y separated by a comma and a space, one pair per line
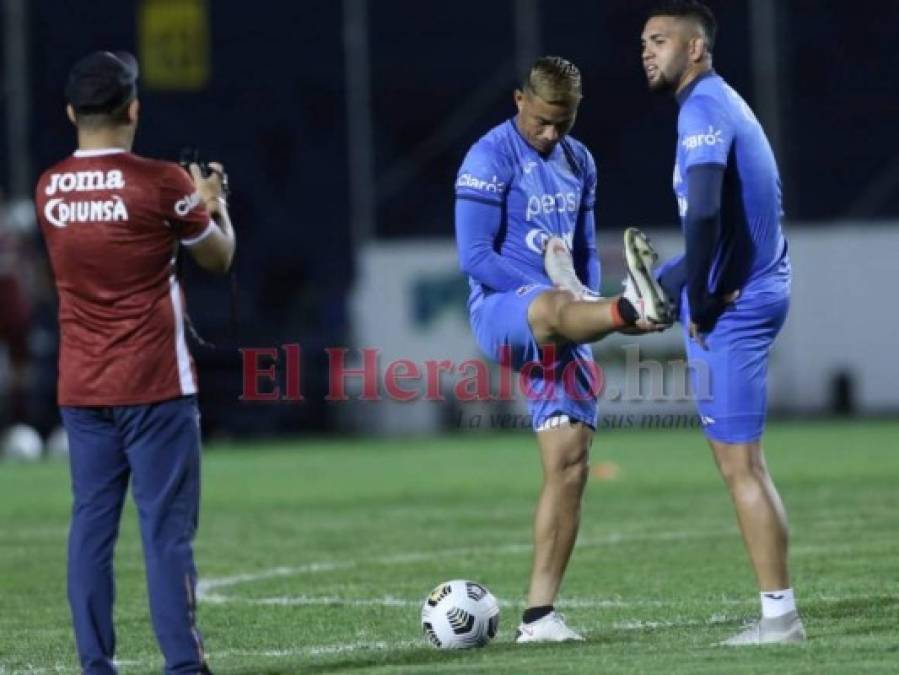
210, 228
182, 354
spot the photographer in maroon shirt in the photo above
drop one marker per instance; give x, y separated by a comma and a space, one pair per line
113, 223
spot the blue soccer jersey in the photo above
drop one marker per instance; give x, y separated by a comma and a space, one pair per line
540, 196
509, 200
716, 126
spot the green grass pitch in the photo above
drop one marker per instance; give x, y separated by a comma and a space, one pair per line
315, 555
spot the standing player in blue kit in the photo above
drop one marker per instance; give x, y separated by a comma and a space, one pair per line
733, 284
525, 232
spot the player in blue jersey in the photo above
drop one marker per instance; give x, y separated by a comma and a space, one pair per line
733, 284
526, 236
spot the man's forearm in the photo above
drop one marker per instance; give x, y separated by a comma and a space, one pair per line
700, 235
218, 211
476, 226
702, 227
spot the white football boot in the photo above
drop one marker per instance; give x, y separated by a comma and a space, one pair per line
550, 628
560, 269
641, 288
779, 630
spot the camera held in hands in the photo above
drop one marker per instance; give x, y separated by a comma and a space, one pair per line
191, 155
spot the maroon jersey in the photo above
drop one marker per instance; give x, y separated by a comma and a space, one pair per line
112, 222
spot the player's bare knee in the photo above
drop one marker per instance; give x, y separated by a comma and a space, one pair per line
740, 472
577, 473
733, 469
571, 467
731, 458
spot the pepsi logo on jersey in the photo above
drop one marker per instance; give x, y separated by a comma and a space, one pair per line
560, 202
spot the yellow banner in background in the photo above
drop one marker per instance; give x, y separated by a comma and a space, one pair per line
173, 38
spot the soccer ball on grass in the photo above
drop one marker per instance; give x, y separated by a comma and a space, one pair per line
459, 614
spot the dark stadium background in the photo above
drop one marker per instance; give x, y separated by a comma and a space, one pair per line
274, 110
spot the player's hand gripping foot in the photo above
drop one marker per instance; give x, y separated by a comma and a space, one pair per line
780, 630
641, 288
550, 628
560, 270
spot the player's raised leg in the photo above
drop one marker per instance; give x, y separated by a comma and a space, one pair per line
557, 317
573, 314
564, 453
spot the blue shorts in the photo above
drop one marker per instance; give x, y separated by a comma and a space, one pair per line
729, 378
554, 380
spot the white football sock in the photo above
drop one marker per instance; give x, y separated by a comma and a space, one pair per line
777, 603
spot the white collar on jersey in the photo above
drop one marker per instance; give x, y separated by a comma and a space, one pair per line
98, 152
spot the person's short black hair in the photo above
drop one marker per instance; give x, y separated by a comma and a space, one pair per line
102, 82
690, 9
99, 120
100, 88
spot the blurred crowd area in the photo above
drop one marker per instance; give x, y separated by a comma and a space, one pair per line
268, 92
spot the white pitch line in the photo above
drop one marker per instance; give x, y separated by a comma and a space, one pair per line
305, 600
320, 650
640, 624
570, 603
31, 533
205, 586
390, 601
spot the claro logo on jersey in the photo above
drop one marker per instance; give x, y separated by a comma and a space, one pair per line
85, 181
711, 137
561, 202
60, 213
493, 186
187, 204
